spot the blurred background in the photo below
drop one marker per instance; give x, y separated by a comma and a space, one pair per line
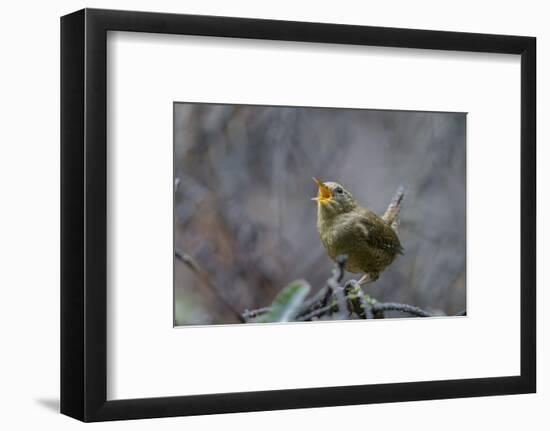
245, 225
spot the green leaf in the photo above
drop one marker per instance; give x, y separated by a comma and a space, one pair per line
287, 304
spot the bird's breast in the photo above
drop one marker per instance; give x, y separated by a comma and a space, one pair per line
336, 235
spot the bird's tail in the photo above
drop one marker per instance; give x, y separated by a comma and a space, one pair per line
391, 214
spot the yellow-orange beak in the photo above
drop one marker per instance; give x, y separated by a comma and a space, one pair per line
325, 194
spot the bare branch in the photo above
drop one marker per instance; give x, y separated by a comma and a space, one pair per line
405, 308
205, 279
316, 314
252, 314
189, 261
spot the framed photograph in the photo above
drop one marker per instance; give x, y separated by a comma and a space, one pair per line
262, 215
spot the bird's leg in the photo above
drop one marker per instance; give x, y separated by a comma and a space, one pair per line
363, 280
368, 278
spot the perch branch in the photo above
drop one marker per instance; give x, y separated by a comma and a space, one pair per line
356, 300
322, 297
340, 302
405, 308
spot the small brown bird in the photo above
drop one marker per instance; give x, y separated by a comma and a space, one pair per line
369, 241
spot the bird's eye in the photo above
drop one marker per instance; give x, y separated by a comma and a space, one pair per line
339, 190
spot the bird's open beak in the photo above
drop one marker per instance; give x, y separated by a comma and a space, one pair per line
325, 194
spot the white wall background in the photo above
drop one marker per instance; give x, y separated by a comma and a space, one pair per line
29, 228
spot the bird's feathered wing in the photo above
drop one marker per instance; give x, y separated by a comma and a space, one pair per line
379, 234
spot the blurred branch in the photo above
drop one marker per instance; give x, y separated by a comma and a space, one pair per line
190, 262
205, 279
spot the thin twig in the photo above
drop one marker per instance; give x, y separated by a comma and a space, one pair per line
405, 308
189, 261
251, 314
316, 313
205, 278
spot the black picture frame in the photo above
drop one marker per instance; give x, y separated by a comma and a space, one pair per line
84, 214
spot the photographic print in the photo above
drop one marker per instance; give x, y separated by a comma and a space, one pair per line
301, 214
